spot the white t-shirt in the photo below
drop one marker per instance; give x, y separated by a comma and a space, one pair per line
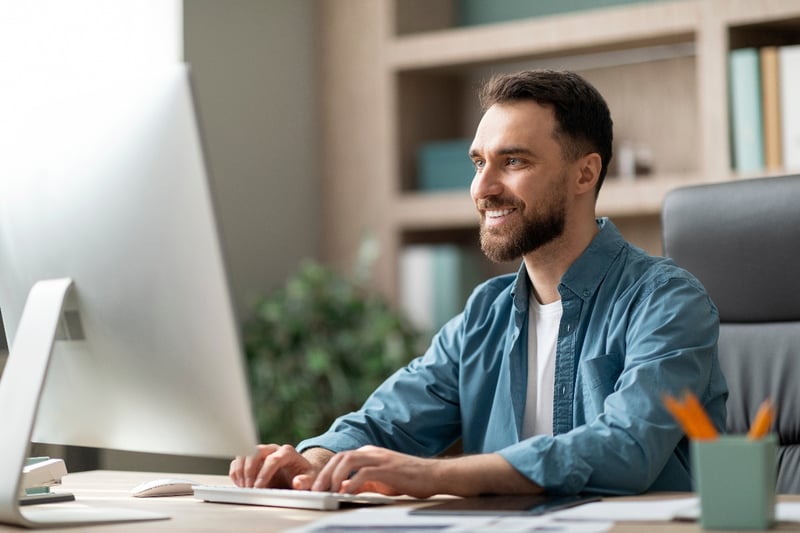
543, 323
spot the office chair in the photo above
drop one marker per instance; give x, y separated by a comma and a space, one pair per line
742, 240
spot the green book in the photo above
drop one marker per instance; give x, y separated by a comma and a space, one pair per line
456, 272
746, 125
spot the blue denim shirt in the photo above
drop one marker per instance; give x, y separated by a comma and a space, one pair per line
633, 328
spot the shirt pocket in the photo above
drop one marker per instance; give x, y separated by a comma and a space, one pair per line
599, 374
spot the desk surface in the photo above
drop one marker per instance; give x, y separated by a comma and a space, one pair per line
112, 489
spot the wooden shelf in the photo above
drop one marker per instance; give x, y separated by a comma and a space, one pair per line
596, 30
662, 67
640, 196
618, 198
759, 12
434, 211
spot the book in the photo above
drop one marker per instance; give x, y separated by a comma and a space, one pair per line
455, 275
435, 282
771, 107
416, 285
445, 165
789, 74
746, 130
473, 12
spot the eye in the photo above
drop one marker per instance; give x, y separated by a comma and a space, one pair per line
478, 163
513, 161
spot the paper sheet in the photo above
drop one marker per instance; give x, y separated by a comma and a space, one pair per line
398, 520
662, 510
596, 517
787, 511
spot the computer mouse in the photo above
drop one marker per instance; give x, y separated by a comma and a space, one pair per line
164, 487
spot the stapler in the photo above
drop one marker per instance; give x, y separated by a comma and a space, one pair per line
38, 475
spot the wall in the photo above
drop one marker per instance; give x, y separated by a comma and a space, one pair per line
253, 64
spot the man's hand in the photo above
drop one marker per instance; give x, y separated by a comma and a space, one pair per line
279, 467
374, 469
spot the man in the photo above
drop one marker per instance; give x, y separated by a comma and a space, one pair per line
552, 378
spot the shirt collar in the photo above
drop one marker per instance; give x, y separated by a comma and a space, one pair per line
521, 290
586, 273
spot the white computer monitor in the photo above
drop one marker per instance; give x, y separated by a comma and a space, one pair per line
104, 193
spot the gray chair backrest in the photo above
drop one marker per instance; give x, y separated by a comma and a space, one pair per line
742, 240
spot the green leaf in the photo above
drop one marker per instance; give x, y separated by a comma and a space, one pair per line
317, 347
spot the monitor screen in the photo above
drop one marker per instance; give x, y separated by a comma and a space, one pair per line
103, 182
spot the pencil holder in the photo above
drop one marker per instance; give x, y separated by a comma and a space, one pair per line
735, 480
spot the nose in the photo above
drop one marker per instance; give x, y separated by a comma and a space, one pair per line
486, 182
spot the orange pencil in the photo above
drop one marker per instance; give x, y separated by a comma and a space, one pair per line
705, 429
678, 411
691, 416
763, 421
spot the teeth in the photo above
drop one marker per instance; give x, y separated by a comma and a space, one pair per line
498, 213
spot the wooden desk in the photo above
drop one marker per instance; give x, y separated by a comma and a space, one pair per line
112, 489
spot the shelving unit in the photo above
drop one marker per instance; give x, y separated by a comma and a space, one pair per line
398, 75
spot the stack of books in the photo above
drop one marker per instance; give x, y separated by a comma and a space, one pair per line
764, 86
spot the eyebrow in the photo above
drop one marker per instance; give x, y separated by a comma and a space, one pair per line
509, 150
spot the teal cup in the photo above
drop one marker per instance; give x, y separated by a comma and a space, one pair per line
735, 480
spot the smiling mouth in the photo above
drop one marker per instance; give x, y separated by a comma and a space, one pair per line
497, 213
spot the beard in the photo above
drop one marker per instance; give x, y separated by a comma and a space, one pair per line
534, 231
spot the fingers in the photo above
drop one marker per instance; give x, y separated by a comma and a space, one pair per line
243, 468
280, 467
365, 479
302, 482
234, 472
378, 470
368, 468
346, 467
271, 466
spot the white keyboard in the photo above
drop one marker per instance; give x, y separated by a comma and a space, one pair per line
298, 499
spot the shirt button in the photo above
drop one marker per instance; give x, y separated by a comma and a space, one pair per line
563, 390
569, 328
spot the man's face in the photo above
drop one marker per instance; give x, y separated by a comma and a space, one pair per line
520, 183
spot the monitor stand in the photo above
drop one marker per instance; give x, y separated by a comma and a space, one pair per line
20, 390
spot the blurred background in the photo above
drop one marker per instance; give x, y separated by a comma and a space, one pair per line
336, 134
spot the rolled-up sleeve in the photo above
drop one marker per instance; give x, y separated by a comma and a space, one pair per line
415, 411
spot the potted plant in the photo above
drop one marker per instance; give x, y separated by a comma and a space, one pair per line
317, 347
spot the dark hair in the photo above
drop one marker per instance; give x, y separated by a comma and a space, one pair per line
583, 121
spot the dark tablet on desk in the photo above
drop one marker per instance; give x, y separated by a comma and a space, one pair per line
518, 504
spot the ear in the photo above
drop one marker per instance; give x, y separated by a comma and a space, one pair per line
589, 167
